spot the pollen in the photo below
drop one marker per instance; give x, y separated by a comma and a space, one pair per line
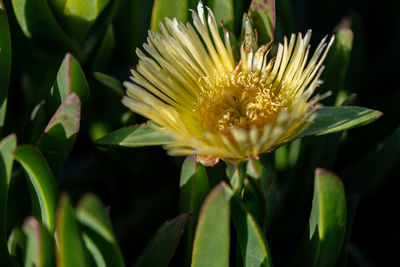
237, 100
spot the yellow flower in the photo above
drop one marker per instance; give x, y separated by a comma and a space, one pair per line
190, 85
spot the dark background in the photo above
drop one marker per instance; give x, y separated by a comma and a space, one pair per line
141, 186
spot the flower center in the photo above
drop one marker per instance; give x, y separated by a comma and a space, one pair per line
237, 100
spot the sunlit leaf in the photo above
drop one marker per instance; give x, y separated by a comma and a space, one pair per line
70, 79
70, 249
162, 246
39, 244
253, 246
60, 134
98, 229
5, 62
325, 233
78, 16
170, 9
262, 14
44, 188
212, 237
143, 135
334, 119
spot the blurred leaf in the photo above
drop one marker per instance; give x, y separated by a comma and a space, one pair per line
7, 147
253, 246
266, 181
70, 249
17, 244
212, 237
223, 11
262, 15
37, 21
77, 16
110, 82
60, 134
5, 62
100, 26
333, 119
170, 9
194, 187
70, 79
162, 246
326, 230
97, 226
102, 57
42, 181
368, 172
142, 135
285, 24
39, 244
337, 64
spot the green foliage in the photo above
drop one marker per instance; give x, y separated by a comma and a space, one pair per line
212, 238
262, 14
43, 184
57, 105
143, 135
168, 9
326, 229
333, 119
162, 246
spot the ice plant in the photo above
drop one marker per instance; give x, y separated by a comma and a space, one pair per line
192, 88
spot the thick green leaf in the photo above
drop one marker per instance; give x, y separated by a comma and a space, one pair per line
143, 135
223, 11
334, 119
325, 233
70, 249
162, 246
60, 134
265, 178
252, 243
110, 82
39, 244
5, 62
194, 187
100, 61
97, 227
37, 21
7, 147
170, 9
70, 79
44, 187
77, 16
262, 14
212, 237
